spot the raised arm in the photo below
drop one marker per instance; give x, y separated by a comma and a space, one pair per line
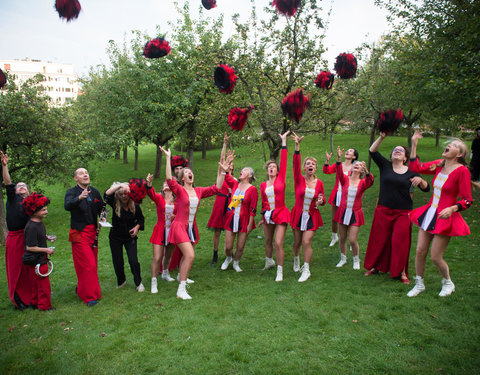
115, 187
297, 159
168, 169
376, 145
415, 137
5, 174
283, 157
224, 166
339, 167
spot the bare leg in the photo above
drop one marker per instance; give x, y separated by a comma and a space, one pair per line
229, 242
168, 255
241, 240
157, 259
307, 239
334, 223
352, 238
342, 234
188, 253
216, 238
279, 237
297, 241
268, 230
439, 245
423, 242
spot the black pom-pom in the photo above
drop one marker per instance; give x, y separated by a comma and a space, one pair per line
294, 104
34, 202
287, 7
346, 65
178, 161
138, 189
209, 4
389, 121
156, 48
68, 9
325, 80
225, 78
238, 117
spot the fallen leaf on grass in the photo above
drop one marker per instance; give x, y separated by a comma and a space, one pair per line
25, 325
11, 329
38, 360
160, 304
54, 350
33, 341
433, 316
355, 320
144, 317
63, 324
103, 334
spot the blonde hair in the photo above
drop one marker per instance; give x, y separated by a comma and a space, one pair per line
118, 205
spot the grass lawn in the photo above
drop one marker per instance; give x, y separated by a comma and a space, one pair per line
338, 322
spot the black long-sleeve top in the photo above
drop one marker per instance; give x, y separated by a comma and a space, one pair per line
16, 217
476, 149
83, 212
127, 220
394, 187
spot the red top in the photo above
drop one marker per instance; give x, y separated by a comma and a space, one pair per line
217, 220
300, 186
159, 201
248, 209
331, 169
280, 214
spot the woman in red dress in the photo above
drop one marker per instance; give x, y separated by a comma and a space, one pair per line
275, 214
305, 217
440, 219
184, 231
349, 215
334, 200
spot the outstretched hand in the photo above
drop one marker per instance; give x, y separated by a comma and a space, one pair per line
226, 138
167, 153
4, 158
328, 156
284, 137
416, 136
149, 179
339, 153
296, 138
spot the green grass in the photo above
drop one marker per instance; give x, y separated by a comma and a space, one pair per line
338, 322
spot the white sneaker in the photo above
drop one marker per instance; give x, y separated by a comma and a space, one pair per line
166, 276
279, 274
296, 264
225, 264
122, 285
343, 260
418, 288
334, 239
140, 288
448, 287
305, 273
154, 288
356, 262
182, 291
269, 263
236, 267
189, 281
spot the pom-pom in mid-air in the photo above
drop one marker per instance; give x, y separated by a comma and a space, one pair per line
209, 4
294, 104
34, 202
287, 7
346, 65
225, 78
138, 189
3, 79
389, 121
325, 80
238, 117
68, 9
156, 48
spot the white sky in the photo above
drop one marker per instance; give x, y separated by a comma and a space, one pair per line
32, 28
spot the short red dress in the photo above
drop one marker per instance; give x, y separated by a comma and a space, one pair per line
158, 235
273, 197
243, 206
217, 220
350, 210
336, 194
446, 189
305, 214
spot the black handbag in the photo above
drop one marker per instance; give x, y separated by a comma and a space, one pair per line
32, 259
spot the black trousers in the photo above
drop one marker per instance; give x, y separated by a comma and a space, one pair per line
475, 168
116, 246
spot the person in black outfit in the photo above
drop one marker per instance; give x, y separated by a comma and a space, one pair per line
127, 220
391, 232
475, 159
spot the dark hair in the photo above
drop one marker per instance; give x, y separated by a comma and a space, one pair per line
355, 152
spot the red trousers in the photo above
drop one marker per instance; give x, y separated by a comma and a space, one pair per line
389, 242
85, 260
41, 291
19, 276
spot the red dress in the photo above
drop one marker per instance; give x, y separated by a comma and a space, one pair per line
158, 235
277, 212
217, 220
350, 210
184, 226
446, 190
336, 194
243, 205
304, 215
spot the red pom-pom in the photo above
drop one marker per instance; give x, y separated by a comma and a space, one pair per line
68, 9
237, 118
34, 202
225, 78
325, 80
155, 48
178, 161
287, 7
209, 4
294, 104
3, 79
346, 65
389, 121
138, 189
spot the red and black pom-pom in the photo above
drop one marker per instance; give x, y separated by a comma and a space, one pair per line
178, 161
34, 202
156, 48
325, 80
68, 9
287, 7
3, 79
209, 4
294, 104
225, 78
237, 118
346, 65
389, 121
138, 189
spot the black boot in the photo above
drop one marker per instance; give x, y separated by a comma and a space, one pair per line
215, 258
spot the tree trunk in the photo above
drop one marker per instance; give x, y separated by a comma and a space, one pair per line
437, 137
135, 166
204, 148
331, 142
125, 155
158, 162
190, 142
372, 139
409, 135
117, 154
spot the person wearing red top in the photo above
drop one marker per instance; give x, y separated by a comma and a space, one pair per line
334, 200
349, 215
184, 231
240, 216
275, 214
162, 250
305, 217
440, 219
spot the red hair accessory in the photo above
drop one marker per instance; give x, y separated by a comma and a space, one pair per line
238, 117
325, 80
225, 78
68, 9
209, 4
287, 7
34, 202
155, 48
178, 161
138, 189
389, 121
294, 104
346, 65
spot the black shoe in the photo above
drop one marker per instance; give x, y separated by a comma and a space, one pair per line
33, 307
76, 292
21, 306
92, 303
214, 259
50, 309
